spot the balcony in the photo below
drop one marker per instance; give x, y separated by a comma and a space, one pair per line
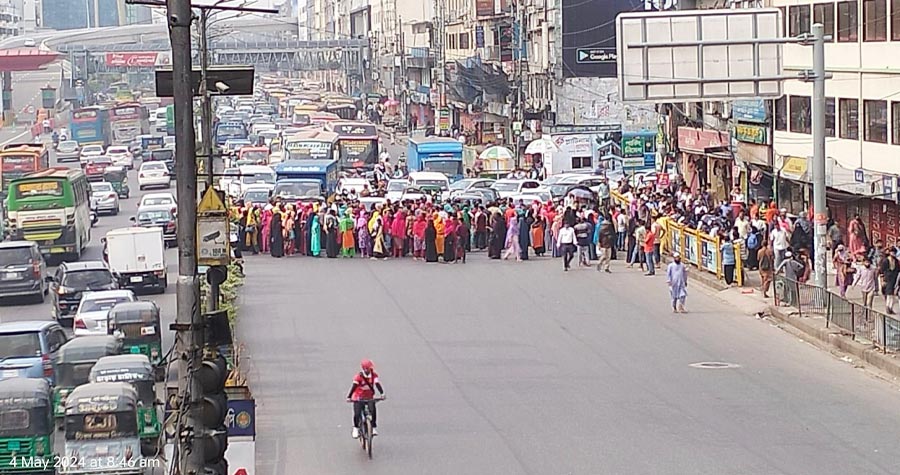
420, 62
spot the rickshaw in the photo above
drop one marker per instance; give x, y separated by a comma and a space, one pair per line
101, 430
27, 431
73, 365
137, 371
118, 178
137, 323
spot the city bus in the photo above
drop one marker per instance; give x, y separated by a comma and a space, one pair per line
310, 145
20, 159
128, 121
90, 125
52, 208
357, 144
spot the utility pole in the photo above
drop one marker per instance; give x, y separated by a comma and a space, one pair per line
443, 53
192, 460
404, 83
206, 146
820, 212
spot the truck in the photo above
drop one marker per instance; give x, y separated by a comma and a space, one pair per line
435, 154
137, 257
305, 179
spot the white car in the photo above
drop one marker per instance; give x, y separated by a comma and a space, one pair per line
89, 151
29, 43
67, 150
121, 156
352, 184
94, 308
507, 187
258, 176
395, 189
104, 198
153, 174
158, 199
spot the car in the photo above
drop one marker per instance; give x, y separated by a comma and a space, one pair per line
169, 141
104, 198
96, 166
414, 194
158, 199
153, 174
120, 156
22, 270
29, 43
256, 196
395, 189
90, 319
229, 175
71, 280
352, 185
89, 151
164, 155
162, 216
510, 187
28, 349
530, 196
257, 176
68, 151
466, 184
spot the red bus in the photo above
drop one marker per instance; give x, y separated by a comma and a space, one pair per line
20, 159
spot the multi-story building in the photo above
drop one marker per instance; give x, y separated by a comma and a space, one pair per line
10, 18
72, 14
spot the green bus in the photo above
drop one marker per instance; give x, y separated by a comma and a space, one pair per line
52, 208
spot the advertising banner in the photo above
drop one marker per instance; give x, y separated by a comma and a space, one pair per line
132, 60
589, 34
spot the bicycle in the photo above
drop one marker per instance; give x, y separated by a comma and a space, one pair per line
365, 429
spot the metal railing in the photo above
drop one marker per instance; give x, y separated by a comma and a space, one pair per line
861, 323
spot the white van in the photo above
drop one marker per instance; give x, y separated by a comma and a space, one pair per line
430, 180
252, 175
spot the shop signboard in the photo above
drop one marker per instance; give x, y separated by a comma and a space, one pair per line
750, 133
749, 110
695, 140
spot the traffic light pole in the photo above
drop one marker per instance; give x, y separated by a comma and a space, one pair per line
190, 339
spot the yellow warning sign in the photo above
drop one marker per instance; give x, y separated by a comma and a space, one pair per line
211, 203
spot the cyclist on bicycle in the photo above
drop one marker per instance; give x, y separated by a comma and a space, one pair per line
363, 389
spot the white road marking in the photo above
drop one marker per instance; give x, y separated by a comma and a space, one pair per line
15, 138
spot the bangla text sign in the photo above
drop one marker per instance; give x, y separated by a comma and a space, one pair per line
134, 60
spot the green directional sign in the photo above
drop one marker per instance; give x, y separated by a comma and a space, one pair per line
595, 55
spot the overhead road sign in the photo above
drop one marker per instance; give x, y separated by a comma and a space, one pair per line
700, 55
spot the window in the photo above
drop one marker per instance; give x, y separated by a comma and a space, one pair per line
847, 24
800, 114
781, 113
464, 40
849, 117
829, 117
824, 13
874, 20
581, 162
895, 20
798, 18
895, 123
876, 120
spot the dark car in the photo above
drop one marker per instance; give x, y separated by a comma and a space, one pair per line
22, 269
165, 155
161, 216
28, 349
74, 278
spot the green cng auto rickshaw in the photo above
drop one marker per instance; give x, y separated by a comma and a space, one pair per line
118, 178
26, 427
74, 362
137, 323
137, 371
101, 430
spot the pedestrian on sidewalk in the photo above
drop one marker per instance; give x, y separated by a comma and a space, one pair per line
867, 281
766, 259
728, 260
566, 242
844, 270
676, 277
890, 272
779, 239
649, 246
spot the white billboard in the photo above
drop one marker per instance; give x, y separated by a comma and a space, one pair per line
700, 55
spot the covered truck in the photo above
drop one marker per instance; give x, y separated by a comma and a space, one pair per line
436, 154
304, 180
137, 256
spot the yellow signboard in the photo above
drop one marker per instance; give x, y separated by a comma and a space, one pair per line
211, 203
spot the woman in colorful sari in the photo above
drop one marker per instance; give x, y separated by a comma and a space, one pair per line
348, 242
376, 229
525, 223
266, 223
555, 226
332, 231
439, 229
362, 234
431, 254
450, 239
299, 229
512, 240
418, 232
315, 232
463, 241
538, 230
398, 233
288, 232
252, 230
497, 235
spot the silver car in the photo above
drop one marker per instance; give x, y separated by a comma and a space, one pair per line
68, 151
104, 198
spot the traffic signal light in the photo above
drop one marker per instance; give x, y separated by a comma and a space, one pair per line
211, 413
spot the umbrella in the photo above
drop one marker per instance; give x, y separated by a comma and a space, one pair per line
496, 152
542, 146
391, 103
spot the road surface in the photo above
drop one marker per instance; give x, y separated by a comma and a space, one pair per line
519, 368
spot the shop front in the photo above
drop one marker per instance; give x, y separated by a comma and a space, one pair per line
793, 191
706, 161
752, 155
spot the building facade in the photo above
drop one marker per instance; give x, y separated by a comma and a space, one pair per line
73, 14
11, 19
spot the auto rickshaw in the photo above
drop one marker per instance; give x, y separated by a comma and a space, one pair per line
137, 323
118, 178
27, 431
137, 371
102, 431
73, 365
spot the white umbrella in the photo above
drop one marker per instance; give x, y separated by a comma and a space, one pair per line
541, 146
496, 152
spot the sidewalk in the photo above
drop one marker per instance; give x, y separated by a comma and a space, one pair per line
811, 328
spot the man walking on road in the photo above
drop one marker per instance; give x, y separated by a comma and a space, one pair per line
566, 243
605, 244
676, 277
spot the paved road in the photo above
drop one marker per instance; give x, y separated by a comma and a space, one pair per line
27, 92
507, 368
